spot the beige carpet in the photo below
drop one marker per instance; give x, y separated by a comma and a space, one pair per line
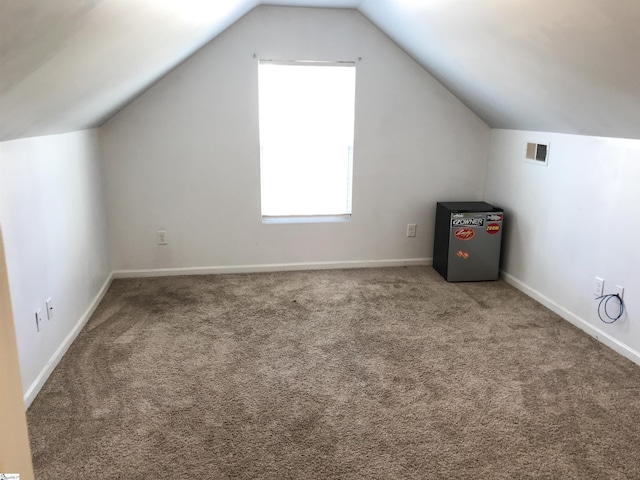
375, 373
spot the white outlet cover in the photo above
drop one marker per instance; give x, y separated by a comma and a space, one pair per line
161, 237
38, 319
598, 289
49, 308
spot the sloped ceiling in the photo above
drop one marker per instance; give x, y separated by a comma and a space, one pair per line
566, 66
569, 66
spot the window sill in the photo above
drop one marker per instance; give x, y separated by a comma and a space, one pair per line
307, 219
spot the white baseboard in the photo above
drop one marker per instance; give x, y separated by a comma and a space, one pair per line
270, 267
572, 318
40, 380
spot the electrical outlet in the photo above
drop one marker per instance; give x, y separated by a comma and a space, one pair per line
38, 319
49, 308
620, 291
161, 237
411, 230
598, 287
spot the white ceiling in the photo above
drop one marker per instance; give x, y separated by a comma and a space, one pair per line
568, 66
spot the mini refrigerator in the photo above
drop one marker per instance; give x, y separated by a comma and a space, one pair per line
467, 241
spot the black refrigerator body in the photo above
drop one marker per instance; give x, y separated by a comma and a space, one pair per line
467, 241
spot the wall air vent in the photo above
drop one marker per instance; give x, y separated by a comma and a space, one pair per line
538, 153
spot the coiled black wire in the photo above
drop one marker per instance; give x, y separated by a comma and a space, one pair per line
604, 302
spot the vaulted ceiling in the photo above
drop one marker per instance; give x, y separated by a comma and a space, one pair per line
569, 66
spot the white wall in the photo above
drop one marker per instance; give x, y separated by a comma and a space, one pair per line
53, 217
571, 221
185, 155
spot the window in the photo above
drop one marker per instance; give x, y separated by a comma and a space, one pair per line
306, 114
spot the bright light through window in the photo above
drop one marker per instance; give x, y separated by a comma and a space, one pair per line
306, 138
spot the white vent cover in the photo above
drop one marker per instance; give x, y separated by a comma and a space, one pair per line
538, 153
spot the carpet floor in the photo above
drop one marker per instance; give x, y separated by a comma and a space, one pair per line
387, 373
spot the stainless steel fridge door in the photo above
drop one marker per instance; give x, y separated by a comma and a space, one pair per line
474, 246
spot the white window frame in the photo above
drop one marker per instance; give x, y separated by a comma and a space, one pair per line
312, 218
